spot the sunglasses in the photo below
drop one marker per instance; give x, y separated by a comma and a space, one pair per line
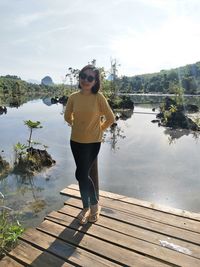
89, 78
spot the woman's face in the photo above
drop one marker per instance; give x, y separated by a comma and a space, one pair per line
84, 83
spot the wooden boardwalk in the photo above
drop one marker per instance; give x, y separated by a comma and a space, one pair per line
129, 232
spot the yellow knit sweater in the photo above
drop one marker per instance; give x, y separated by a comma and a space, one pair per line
83, 113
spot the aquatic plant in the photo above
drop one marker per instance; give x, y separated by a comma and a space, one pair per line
173, 112
4, 167
28, 159
10, 228
32, 125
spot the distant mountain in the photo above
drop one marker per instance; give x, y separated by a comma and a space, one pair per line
47, 80
33, 81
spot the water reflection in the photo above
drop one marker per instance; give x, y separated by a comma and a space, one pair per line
137, 159
174, 134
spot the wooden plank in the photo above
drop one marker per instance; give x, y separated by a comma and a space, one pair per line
154, 215
36, 257
148, 224
6, 261
132, 243
128, 233
64, 250
143, 203
104, 249
124, 228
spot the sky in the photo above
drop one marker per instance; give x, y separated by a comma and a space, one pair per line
46, 37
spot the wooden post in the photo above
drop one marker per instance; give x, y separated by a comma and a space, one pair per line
94, 175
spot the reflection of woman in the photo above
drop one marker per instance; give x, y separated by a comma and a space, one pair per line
83, 113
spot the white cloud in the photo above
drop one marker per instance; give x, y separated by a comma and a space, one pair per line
27, 19
172, 44
40, 35
144, 35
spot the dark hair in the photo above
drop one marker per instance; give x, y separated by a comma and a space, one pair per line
97, 85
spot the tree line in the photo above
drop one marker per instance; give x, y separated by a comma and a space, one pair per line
187, 77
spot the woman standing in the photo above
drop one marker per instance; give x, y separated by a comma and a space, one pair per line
83, 113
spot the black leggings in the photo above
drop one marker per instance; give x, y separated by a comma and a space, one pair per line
84, 155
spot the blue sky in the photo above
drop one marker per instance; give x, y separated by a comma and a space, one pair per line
47, 37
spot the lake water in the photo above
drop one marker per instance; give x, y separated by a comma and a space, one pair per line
139, 159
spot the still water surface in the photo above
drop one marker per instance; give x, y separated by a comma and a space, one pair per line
139, 159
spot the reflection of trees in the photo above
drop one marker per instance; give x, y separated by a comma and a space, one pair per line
125, 114
115, 133
26, 185
4, 167
115, 130
174, 134
19, 100
159, 98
